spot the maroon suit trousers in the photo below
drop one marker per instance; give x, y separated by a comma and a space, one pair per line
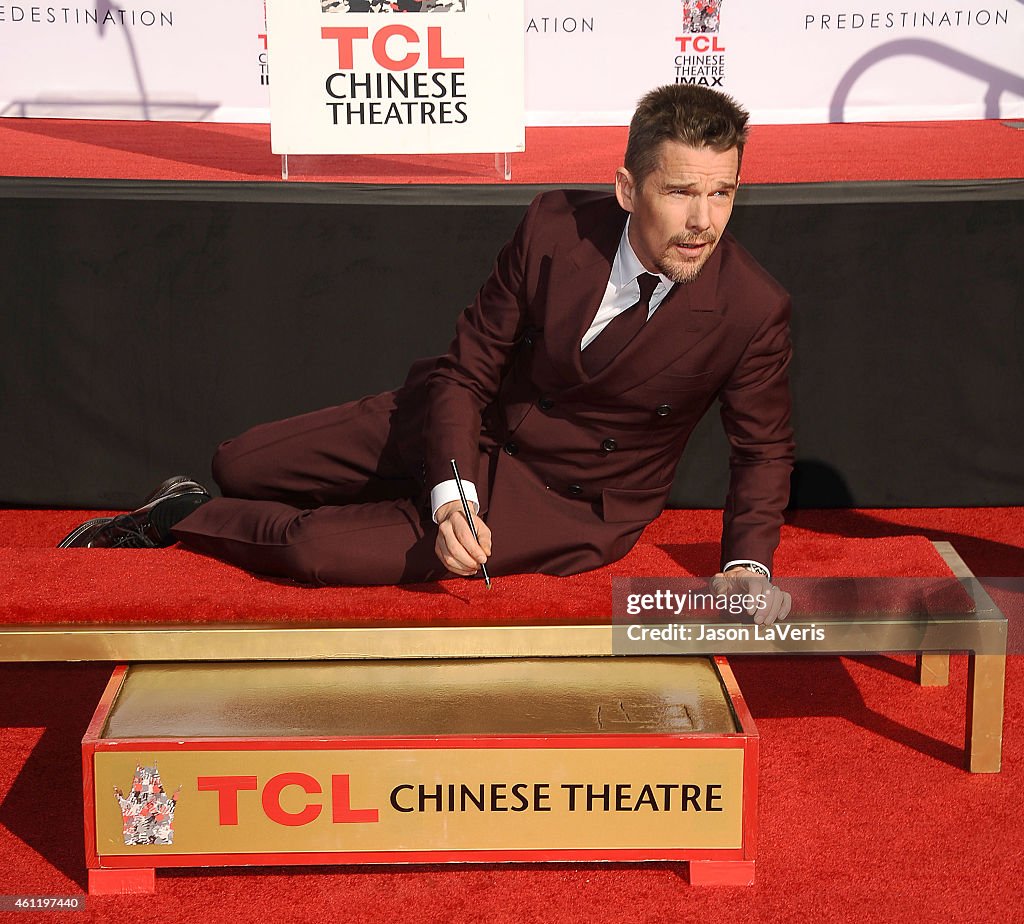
336, 497
323, 498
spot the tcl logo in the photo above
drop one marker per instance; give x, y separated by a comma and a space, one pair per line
699, 43
228, 788
393, 47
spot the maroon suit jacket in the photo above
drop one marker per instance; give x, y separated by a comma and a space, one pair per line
570, 469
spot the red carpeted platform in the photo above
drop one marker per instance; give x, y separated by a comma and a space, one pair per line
865, 812
43, 585
554, 156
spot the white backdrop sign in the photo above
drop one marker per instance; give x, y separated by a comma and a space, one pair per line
587, 61
819, 61
445, 78
179, 60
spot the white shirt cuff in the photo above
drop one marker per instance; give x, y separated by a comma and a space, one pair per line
748, 561
448, 491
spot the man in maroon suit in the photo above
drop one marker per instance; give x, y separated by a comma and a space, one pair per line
607, 328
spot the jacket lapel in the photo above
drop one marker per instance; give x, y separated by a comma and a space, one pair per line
686, 316
576, 286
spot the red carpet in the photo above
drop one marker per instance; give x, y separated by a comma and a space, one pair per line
777, 154
865, 812
48, 585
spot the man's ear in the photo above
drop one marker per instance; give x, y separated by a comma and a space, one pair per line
624, 188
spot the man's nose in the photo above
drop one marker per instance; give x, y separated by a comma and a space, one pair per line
698, 216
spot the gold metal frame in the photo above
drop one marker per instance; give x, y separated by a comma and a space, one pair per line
983, 635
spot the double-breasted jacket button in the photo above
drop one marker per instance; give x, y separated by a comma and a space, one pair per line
609, 445
545, 404
663, 410
511, 448
575, 490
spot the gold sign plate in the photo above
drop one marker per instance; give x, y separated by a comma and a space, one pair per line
431, 799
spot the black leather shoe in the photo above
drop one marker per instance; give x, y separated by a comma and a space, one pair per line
135, 530
79, 537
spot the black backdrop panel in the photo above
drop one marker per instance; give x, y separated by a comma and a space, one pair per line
139, 333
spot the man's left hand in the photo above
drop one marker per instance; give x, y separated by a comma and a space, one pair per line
742, 582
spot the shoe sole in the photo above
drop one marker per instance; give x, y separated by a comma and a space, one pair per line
174, 481
70, 538
177, 486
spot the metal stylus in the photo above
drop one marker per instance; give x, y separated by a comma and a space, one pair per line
469, 518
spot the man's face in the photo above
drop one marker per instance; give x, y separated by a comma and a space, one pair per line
682, 208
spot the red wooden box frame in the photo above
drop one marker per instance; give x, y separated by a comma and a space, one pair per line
729, 866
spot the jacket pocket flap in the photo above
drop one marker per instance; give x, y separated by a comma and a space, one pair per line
625, 505
675, 380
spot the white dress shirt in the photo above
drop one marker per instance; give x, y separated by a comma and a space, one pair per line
623, 290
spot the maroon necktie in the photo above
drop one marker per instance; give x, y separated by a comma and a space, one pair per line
620, 329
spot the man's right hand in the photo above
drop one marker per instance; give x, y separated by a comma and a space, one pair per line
456, 548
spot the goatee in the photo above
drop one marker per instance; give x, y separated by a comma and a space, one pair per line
685, 271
